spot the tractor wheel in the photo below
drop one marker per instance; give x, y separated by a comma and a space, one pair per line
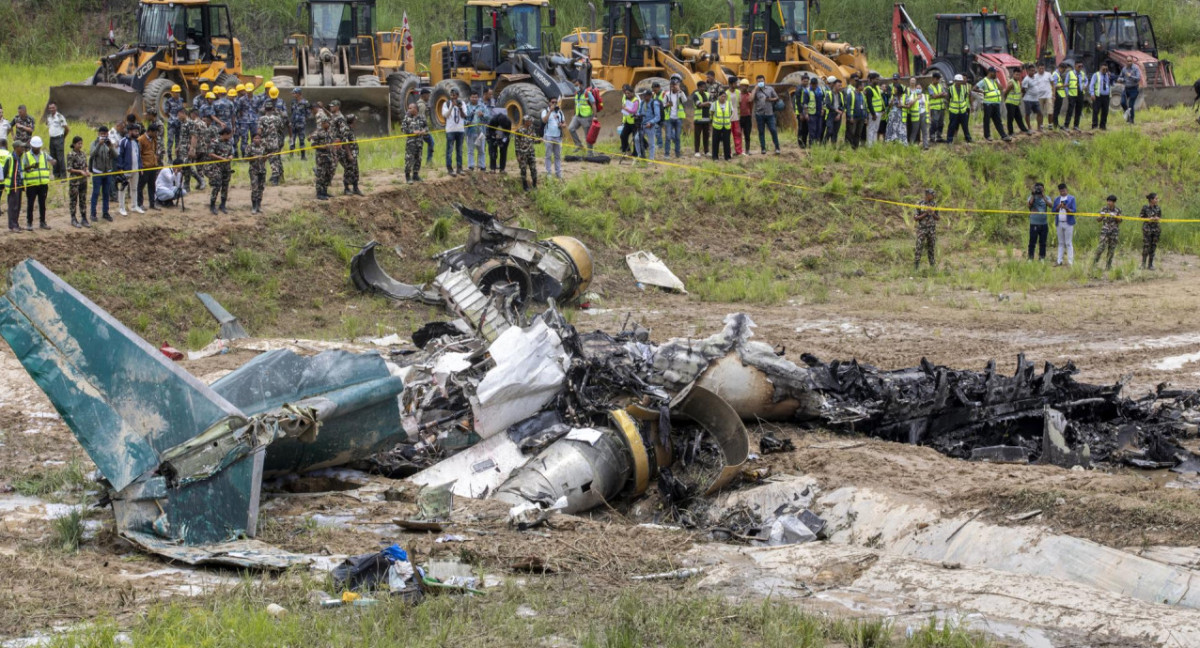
227, 80
441, 95
797, 79
602, 85
402, 86
945, 69
520, 99
368, 81
283, 82
152, 96
645, 84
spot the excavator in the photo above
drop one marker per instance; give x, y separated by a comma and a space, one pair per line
179, 42
967, 44
1114, 37
341, 56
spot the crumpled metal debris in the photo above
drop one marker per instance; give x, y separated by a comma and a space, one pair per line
648, 269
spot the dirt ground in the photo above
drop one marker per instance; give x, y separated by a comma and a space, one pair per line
1110, 330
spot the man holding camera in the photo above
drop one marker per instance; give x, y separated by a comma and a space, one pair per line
1039, 226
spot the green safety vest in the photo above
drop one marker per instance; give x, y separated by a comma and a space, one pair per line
938, 103
876, 99
960, 99
991, 91
722, 115
37, 172
810, 102
1073, 80
1014, 93
5, 156
1058, 81
697, 111
626, 103
915, 108
582, 107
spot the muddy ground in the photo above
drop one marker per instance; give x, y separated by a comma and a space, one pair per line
1110, 330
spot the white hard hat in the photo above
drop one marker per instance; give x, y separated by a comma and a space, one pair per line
830, 80
36, 142
959, 77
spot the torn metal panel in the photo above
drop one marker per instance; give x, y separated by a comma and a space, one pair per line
587, 473
464, 298
648, 269
243, 554
720, 420
530, 370
231, 328
477, 471
368, 276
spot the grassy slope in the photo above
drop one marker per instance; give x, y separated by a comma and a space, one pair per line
66, 29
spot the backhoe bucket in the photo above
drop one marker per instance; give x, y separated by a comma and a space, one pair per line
1165, 97
371, 104
95, 104
610, 117
785, 119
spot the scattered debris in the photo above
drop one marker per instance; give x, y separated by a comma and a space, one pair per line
768, 444
678, 574
231, 328
1027, 515
648, 269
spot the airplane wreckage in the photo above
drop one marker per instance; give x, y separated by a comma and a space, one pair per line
511, 402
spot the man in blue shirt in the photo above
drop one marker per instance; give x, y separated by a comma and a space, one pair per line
1064, 219
1039, 228
1100, 88
1131, 78
651, 114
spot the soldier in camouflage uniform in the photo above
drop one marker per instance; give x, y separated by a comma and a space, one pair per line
1150, 230
189, 133
322, 140
205, 138
299, 120
527, 136
222, 153
258, 171
273, 131
243, 108
77, 171
350, 157
1110, 227
415, 127
423, 106
341, 134
172, 106
224, 110
927, 220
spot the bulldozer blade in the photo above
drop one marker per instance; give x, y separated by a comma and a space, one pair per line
95, 104
1166, 97
372, 105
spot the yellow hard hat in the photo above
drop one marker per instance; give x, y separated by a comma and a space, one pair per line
250, 88
176, 88
219, 89
231, 94
210, 95
274, 93
203, 87
269, 84
240, 87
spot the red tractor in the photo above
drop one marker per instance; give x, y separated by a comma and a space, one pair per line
1114, 37
967, 44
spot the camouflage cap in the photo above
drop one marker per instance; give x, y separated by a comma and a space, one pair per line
336, 103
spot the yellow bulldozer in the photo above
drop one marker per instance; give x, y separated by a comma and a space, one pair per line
179, 42
341, 56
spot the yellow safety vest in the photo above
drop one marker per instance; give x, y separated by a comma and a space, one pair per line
876, 99
5, 156
1073, 84
915, 108
960, 101
810, 102
1058, 81
940, 102
627, 104
1014, 93
697, 111
991, 91
37, 172
582, 107
722, 115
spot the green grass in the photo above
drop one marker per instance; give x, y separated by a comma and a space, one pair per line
53, 481
565, 611
68, 530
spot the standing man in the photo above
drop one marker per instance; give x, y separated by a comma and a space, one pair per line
722, 124
454, 113
835, 109
876, 105
350, 155
5, 125
1058, 81
585, 107
803, 100
856, 114
630, 107
498, 133
173, 105
200, 99
527, 136
415, 127
927, 219
916, 113
1012, 103
989, 87
745, 115
1030, 102
674, 109
960, 110
651, 115
100, 162
817, 109
22, 127
189, 130
426, 108
57, 129
1131, 78
7, 168
258, 171
299, 121
764, 113
1110, 229
477, 116
129, 161
937, 106
225, 111
1076, 88
1039, 227
1044, 82
1064, 223
1100, 89
1150, 230
222, 153
701, 118
148, 168
36, 168
555, 122
14, 182
274, 131
324, 162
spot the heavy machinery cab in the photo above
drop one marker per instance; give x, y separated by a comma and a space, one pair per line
335, 25
771, 25
1093, 36
633, 29
497, 30
190, 32
965, 35
967, 44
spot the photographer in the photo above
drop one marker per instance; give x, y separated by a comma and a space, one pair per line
455, 115
1039, 227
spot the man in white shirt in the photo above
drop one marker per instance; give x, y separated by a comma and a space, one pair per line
58, 130
5, 125
675, 107
1043, 88
169, 186
455, 115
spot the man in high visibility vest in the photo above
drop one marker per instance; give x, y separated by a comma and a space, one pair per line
989, 88
959, 97
13, 180
722, 125
1059, 81
815, 110
916, 112
835, 107
585, 107
804, 101
1100, 88
936, 106
1012, 102
876, 106
6, 165
36, 168
856, 113
1076, 89
701, 117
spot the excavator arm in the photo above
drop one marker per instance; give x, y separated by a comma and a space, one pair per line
1050, 27
908, 41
